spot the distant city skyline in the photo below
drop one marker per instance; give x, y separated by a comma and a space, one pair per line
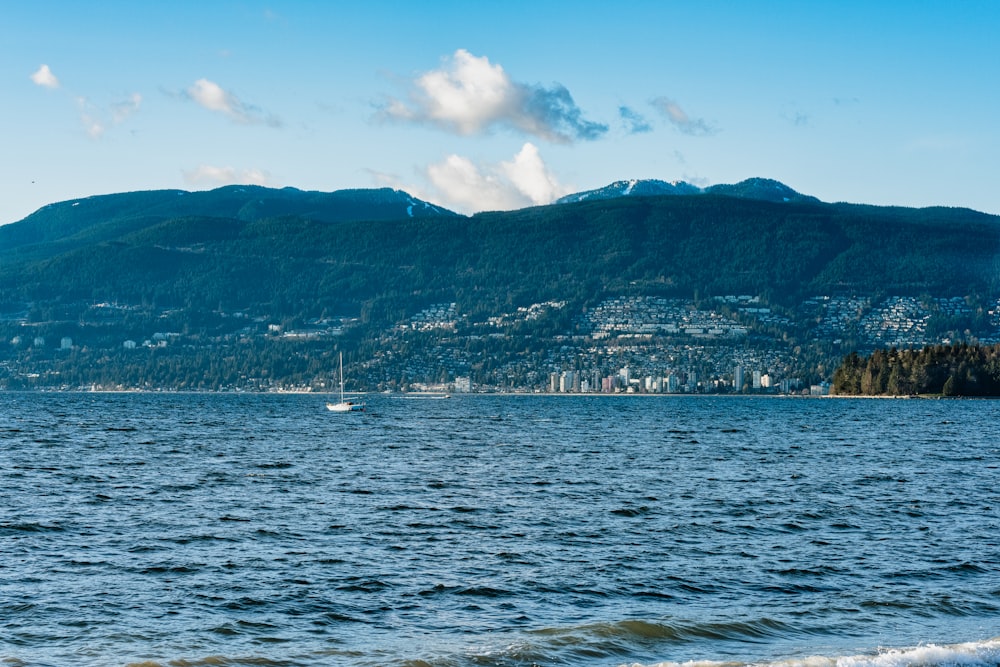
501, 105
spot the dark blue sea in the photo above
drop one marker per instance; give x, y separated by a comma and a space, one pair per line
184, 530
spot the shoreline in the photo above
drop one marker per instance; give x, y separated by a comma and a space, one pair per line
451, 395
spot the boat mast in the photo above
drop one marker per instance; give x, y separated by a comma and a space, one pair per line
341, 377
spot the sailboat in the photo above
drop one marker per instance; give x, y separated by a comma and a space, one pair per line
344, 405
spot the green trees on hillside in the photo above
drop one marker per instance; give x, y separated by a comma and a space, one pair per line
295, 266
958, 370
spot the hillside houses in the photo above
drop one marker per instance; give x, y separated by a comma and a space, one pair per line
665, 344
437, 316
674, 344
838, 315
992, 317
524, 314
648, 316
896, 321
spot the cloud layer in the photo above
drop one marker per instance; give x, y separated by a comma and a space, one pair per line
470, 95
467, 96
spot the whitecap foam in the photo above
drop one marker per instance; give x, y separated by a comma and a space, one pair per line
931, 655
970, 654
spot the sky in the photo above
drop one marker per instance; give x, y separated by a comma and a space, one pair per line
494, 105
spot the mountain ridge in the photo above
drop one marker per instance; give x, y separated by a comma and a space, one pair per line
77, 222
63, 219
138, 291
761, 189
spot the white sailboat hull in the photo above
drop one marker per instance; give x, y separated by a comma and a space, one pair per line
345, 407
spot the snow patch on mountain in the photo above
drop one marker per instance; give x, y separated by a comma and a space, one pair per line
763, 189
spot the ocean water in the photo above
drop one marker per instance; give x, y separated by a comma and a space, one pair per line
193, 529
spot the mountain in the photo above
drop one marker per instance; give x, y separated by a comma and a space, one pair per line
381, 252
78, 222
754, 237
762, 189
636, 188
252, 287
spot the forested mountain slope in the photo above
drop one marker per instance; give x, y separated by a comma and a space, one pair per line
226, 250
254, 288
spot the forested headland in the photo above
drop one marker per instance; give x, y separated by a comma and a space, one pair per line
955, 370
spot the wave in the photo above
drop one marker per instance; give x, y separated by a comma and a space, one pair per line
566, 647
969, 654
600, 643
29, 527
644, 631
972, 654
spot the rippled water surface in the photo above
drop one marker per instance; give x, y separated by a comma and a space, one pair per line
176, 529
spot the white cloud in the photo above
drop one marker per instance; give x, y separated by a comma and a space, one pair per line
45, 78
207, 175
90, 118
680, 119
213, 97
120, 111
470, 95
463, 186
634, 122
466, 187
92, 126
528, 173
96, 121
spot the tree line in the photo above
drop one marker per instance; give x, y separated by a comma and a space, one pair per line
955, 370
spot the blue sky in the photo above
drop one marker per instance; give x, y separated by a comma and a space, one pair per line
499, 105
